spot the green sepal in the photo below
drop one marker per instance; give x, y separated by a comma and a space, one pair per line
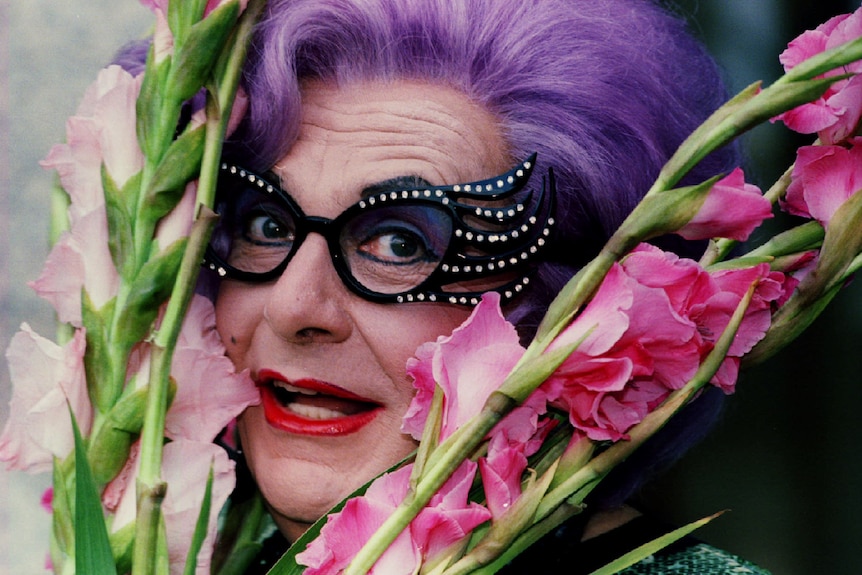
122, 543
110, 445
195, 59
661, 213
182, 14
200, 532
97, 364
150, 289
120, 222
802, 238
181, 163
92, 546
149, 103
62, 506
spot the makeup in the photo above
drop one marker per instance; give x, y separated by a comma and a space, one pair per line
313, 407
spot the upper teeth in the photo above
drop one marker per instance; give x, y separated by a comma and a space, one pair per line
292, 388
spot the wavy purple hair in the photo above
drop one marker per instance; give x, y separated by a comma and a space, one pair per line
603, 90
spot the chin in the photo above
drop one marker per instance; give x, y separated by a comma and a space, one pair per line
301, 477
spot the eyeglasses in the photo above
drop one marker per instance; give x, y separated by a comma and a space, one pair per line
441, 243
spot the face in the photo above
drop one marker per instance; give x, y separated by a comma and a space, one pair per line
331, 365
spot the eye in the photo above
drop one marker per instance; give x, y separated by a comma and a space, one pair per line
266, 225
396, 244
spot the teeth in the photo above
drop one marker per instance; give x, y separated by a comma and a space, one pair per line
312, 412
293, 389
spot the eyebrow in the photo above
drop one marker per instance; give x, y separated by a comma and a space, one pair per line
395, 184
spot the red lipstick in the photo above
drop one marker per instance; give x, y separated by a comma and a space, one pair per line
312, 407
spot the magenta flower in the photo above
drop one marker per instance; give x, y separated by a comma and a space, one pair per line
835, 115
446, 521
656, 316
824, 177
48, 380
732, 209
468, 365
646, 350
518, 436
709, 299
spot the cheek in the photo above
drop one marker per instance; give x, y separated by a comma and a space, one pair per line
408, 327
238, 312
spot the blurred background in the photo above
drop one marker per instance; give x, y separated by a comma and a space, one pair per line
784, 460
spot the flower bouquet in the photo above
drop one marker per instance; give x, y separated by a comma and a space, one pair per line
512, 440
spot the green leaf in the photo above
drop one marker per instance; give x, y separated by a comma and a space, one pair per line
200, 527
120, 235
92, 546
652, 547
195, 59
150, 289
181, 163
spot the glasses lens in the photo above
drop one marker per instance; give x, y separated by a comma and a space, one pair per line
390, 250
256, 232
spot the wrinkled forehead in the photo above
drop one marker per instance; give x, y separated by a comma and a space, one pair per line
352, 137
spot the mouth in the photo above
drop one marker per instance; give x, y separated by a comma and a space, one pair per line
312, 407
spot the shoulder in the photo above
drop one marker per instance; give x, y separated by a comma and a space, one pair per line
700, 559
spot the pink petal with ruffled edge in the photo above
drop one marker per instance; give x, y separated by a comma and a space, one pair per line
47, 380
209, 391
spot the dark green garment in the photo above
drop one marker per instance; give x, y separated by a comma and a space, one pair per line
701, 559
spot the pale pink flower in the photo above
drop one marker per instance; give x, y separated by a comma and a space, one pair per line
185, 467
732, 209
210, 394
103, 130
447, 520
48, 381
836, 114
468, 365
824, 177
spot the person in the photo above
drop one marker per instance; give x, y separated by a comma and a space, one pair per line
324, 290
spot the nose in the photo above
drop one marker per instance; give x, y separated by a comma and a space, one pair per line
307, 303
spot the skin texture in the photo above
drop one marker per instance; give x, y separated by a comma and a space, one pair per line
308, 326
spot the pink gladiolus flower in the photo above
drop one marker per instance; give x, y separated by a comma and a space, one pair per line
446, 521
48, 381
709, 299
210, 394
468, 365
835, 115
657, 316
103, 130
824, 177
646, 350
185, 468
732, 209
518, 436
